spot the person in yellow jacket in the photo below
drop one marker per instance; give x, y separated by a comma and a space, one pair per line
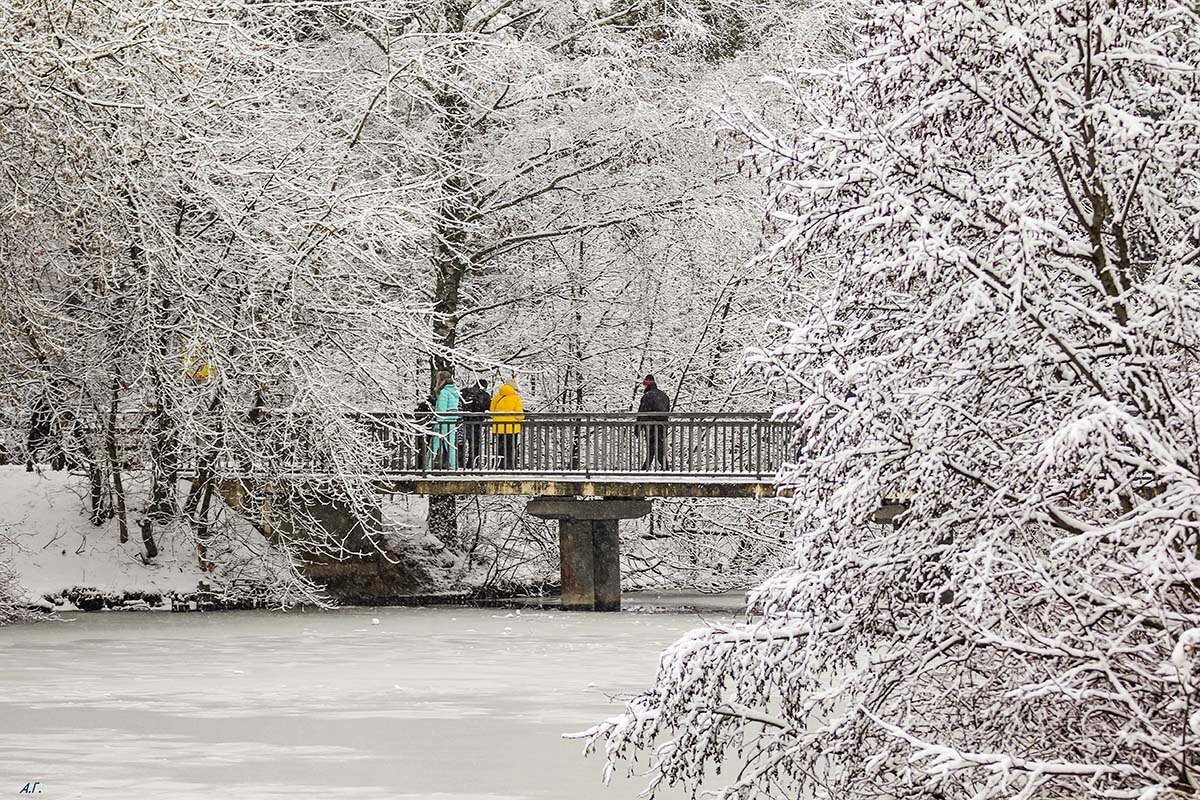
507, 413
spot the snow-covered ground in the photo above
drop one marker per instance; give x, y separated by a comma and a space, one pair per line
49, 541
431, 703
47, 537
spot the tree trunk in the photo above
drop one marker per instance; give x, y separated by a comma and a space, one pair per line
450, 259
114, 462
443, 520
96, 493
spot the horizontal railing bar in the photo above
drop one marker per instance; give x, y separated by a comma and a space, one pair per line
512, 474
549, 415
563, 415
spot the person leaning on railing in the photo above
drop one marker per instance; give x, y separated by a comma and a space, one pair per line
444, 449
652, 421
423, 416
476, 399
507, 414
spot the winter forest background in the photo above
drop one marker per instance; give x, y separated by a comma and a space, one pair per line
955, 242
323, 203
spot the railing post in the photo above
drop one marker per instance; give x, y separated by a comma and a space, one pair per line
758, 470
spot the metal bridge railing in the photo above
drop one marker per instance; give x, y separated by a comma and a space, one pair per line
685, 444
387, 444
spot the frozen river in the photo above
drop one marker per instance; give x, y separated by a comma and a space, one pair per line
438, 703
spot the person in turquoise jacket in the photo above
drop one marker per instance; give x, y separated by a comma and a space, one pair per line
444, 448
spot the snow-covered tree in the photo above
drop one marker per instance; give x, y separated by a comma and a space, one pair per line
12, 608
1010, 192
194, 239
572, 229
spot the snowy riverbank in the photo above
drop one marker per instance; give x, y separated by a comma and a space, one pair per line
62, 561
46, 536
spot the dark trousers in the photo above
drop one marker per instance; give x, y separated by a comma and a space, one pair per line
506, 446
471, 445
656, 446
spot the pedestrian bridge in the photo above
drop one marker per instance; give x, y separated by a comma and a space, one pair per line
586, 471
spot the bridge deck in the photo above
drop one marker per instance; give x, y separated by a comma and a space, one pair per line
614, 485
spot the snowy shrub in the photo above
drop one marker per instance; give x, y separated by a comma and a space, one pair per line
12, 609
1011, 191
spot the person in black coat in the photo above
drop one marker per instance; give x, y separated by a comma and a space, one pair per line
653, 413
476, 399
423, 416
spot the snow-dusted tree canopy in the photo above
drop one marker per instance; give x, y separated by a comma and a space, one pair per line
1011, 193
212, 211
182, 196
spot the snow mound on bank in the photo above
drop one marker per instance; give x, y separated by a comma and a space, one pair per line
46, 537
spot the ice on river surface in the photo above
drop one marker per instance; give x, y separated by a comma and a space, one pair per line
440, 703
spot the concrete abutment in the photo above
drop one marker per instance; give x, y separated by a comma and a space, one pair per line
365, 571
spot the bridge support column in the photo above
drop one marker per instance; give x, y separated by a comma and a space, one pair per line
589, 544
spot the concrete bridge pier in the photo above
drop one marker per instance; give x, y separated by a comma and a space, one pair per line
589, 544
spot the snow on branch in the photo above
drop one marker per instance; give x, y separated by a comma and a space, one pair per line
1007, 351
